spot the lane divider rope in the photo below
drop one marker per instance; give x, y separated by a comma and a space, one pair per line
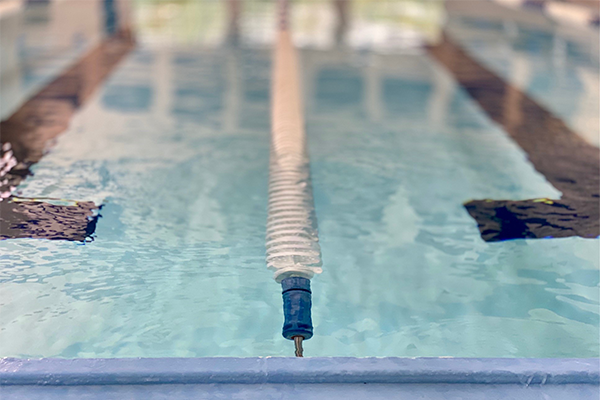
292, 240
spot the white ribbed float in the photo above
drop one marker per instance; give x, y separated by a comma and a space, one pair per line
292, 240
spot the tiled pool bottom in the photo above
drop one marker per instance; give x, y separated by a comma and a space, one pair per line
312, 378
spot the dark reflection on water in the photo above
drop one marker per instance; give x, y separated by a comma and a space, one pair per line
27, 134
567, 161
534, 219
41, 220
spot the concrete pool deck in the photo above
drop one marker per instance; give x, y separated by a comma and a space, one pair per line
280, 377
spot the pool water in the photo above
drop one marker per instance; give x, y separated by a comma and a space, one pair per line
558, 67
39, 41
175, 146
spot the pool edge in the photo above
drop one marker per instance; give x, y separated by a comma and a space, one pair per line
284, 370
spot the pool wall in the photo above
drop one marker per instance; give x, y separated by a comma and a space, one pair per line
310, 377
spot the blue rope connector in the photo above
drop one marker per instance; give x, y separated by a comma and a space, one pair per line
296, 308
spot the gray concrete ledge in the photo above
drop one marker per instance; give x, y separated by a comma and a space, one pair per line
143, 371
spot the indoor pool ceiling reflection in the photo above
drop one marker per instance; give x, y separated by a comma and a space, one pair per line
454, 174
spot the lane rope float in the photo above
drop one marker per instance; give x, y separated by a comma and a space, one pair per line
292, 240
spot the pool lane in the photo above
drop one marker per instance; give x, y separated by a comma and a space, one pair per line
397, 147
175, 144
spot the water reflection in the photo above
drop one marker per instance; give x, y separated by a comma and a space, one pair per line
379, 25
562, 61
562, 156
39, 39
28, 132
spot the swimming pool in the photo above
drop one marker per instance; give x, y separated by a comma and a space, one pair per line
175, 145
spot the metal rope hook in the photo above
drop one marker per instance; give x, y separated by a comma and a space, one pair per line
298, 344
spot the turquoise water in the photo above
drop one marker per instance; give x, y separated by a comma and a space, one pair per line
406, 271
38, 42
558, 67
176, 145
